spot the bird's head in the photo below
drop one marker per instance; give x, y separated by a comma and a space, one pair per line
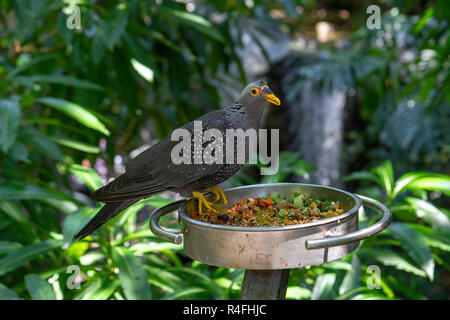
257, 93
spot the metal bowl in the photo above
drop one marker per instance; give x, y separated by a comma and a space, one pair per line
264, 248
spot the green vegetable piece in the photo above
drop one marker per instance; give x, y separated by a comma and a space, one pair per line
281, 214
298, 202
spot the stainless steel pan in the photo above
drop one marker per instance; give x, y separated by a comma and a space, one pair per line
263, 248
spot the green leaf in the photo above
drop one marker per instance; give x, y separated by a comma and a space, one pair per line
406, 179
90, 290
423, 20
75, 111
391, 258
14, 212
38, 288
106, 290
361, 175
297, 293
352, 278
415, 245
58, 79
76, 220
323, 287
41, 142
115, 26
428, 212
144, 71
385, 172
98, 49
77, 145
432, 237
89, 176
132, 275
433, 182
19, 151
25, 254
197, 22
184, 292
20, 191
9, 123
7, 294
7, 246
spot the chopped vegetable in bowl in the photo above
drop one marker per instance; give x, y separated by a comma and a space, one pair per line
272, 210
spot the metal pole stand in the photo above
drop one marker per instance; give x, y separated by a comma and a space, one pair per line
265, 284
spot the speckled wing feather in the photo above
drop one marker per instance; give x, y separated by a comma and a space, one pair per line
153, 171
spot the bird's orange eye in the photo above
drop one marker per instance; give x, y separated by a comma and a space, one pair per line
254, 92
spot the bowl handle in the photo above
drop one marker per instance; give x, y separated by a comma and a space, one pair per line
171, 236
357, 235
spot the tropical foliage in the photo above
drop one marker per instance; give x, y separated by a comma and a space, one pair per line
73, 103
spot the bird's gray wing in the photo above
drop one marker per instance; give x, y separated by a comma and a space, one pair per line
153, 170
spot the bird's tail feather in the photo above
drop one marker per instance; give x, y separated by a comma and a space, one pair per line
107, 212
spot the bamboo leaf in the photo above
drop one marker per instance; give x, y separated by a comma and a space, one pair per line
75, 111
38, 288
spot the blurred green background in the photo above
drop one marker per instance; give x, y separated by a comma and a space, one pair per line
74, 103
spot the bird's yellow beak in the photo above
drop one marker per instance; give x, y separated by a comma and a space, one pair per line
272, 99
270, 96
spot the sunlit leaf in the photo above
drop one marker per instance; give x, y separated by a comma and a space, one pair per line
77, 145
323, 287
75, 111
297, 293
434, 182
89, 176
392, 259
385, 172
105, 291
427, 211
